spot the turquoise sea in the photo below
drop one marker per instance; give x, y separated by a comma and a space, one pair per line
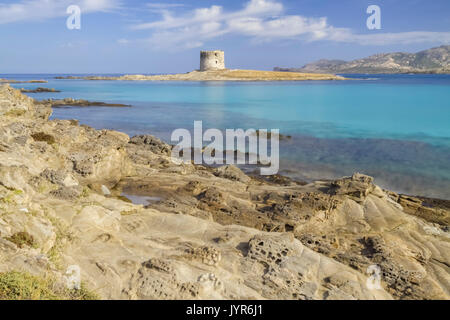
393, 127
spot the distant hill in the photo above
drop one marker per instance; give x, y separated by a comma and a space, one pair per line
435, 60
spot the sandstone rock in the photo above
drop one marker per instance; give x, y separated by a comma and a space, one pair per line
231, 172
357, 186
151, 143
209, 236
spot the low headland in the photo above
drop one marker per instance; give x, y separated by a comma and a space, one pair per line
216, 75
66, 194
22, 81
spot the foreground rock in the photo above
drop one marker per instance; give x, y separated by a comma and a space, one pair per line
220, 75
212, 233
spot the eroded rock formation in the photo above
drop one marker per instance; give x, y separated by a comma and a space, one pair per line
212, 233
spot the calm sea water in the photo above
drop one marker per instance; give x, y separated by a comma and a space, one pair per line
393, 127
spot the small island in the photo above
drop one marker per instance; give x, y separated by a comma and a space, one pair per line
212, 68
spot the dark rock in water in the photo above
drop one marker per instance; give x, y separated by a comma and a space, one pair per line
269, 134
67, 78
81, 103
38, 90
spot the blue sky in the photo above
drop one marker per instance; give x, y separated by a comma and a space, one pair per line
135, 36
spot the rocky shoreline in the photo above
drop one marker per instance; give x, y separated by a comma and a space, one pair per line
208, 233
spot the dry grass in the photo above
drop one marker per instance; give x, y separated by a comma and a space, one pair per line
15, 113
41, 136
16, 285
22, 239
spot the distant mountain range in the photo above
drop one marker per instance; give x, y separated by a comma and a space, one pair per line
435, 60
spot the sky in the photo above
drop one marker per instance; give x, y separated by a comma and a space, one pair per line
135, 36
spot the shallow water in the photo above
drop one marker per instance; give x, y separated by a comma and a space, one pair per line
144, 200
393, 127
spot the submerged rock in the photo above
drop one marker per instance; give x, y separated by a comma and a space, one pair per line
81, 103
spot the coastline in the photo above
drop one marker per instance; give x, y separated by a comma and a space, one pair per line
65, 185
217, 75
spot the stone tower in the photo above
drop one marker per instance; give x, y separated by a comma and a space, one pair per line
212, 60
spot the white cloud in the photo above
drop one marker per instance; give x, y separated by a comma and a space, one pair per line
37, 10
262, 21
159, 5
76, 44
123, 41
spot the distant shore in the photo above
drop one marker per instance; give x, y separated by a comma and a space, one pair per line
217, 75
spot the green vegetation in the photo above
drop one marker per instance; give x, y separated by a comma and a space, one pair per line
15, 112
22, 239
9, 199
85, 193
128, 212
62, 234
41, 136
24, 286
